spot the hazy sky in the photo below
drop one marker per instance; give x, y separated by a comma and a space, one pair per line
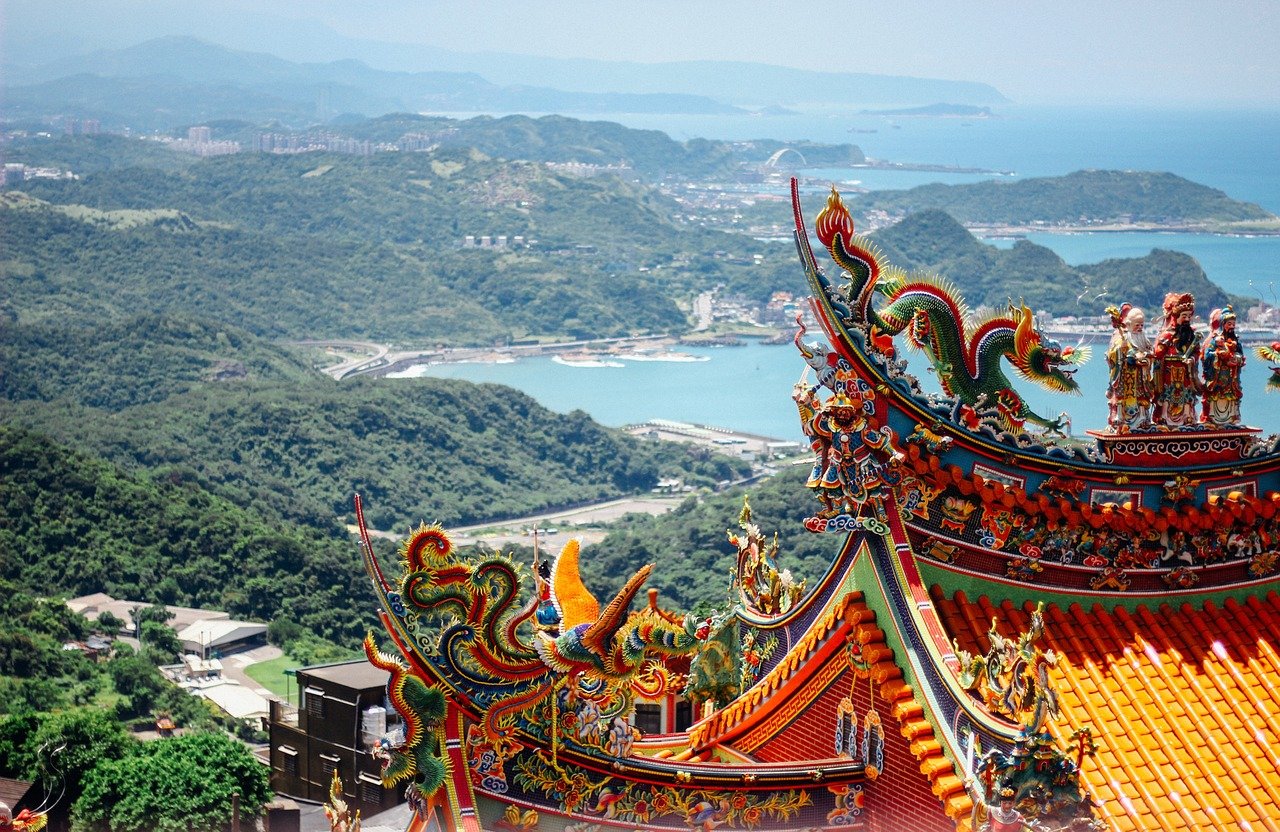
1033, 51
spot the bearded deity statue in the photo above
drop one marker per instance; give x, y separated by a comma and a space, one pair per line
1129, 359
1175, 369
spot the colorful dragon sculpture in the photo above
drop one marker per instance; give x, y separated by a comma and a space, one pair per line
422, 708
1013, 680
964, 351
465, 632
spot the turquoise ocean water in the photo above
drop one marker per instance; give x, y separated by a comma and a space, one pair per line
748, 388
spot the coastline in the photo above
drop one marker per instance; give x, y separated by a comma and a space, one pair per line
591, 354
1218, 229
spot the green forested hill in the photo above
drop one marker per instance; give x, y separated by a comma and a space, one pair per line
65, 269
433, 198
419, 449
554, 138
232, 491
988, 276
76, 524
136, 360
314, 245
322, 245
1145, 281
93, 154
647, 154
1080, 197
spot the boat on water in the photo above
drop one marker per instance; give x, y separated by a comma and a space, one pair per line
1019, 628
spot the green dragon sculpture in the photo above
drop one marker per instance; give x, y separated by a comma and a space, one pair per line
422, 707
468, 635
965, 352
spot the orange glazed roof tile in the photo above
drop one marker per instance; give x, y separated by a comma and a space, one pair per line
1184, 704
913, 726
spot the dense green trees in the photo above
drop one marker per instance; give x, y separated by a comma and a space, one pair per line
77, 524
91, 154
58, 750
35, 672
135, 359
182, 784
229, 495
84, 759
419, 449
331, 245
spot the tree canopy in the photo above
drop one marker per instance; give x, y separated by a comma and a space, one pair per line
178, 784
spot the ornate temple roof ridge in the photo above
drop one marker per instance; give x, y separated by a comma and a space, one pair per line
1182, 702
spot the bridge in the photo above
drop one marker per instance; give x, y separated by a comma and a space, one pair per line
775, 161
370, 358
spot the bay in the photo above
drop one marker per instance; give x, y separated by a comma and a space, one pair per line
1237, 151
748, 389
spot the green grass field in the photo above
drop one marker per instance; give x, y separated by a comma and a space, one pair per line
271, 676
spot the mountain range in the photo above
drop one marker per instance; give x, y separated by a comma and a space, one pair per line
171, 81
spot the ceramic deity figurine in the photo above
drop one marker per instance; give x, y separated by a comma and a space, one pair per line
1222, 360
1129, 357
1177, 356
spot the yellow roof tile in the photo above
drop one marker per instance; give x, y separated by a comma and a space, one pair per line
1185, 704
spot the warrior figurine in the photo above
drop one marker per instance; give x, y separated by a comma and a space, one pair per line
1129, 391
1176, 353
859, 457
1222, 359
546, 614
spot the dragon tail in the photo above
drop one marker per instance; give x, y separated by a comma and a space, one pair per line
420, 706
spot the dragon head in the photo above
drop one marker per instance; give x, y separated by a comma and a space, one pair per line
1041, 359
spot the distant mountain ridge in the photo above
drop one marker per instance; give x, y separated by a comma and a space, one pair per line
213, 77
734, 82
177, 80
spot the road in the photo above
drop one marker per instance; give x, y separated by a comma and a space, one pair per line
702, 311
371, 355
567, 523
233, 667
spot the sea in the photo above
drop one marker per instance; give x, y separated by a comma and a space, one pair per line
747, 388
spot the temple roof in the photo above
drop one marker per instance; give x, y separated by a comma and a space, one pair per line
944, 782
1183, 702
750, 722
